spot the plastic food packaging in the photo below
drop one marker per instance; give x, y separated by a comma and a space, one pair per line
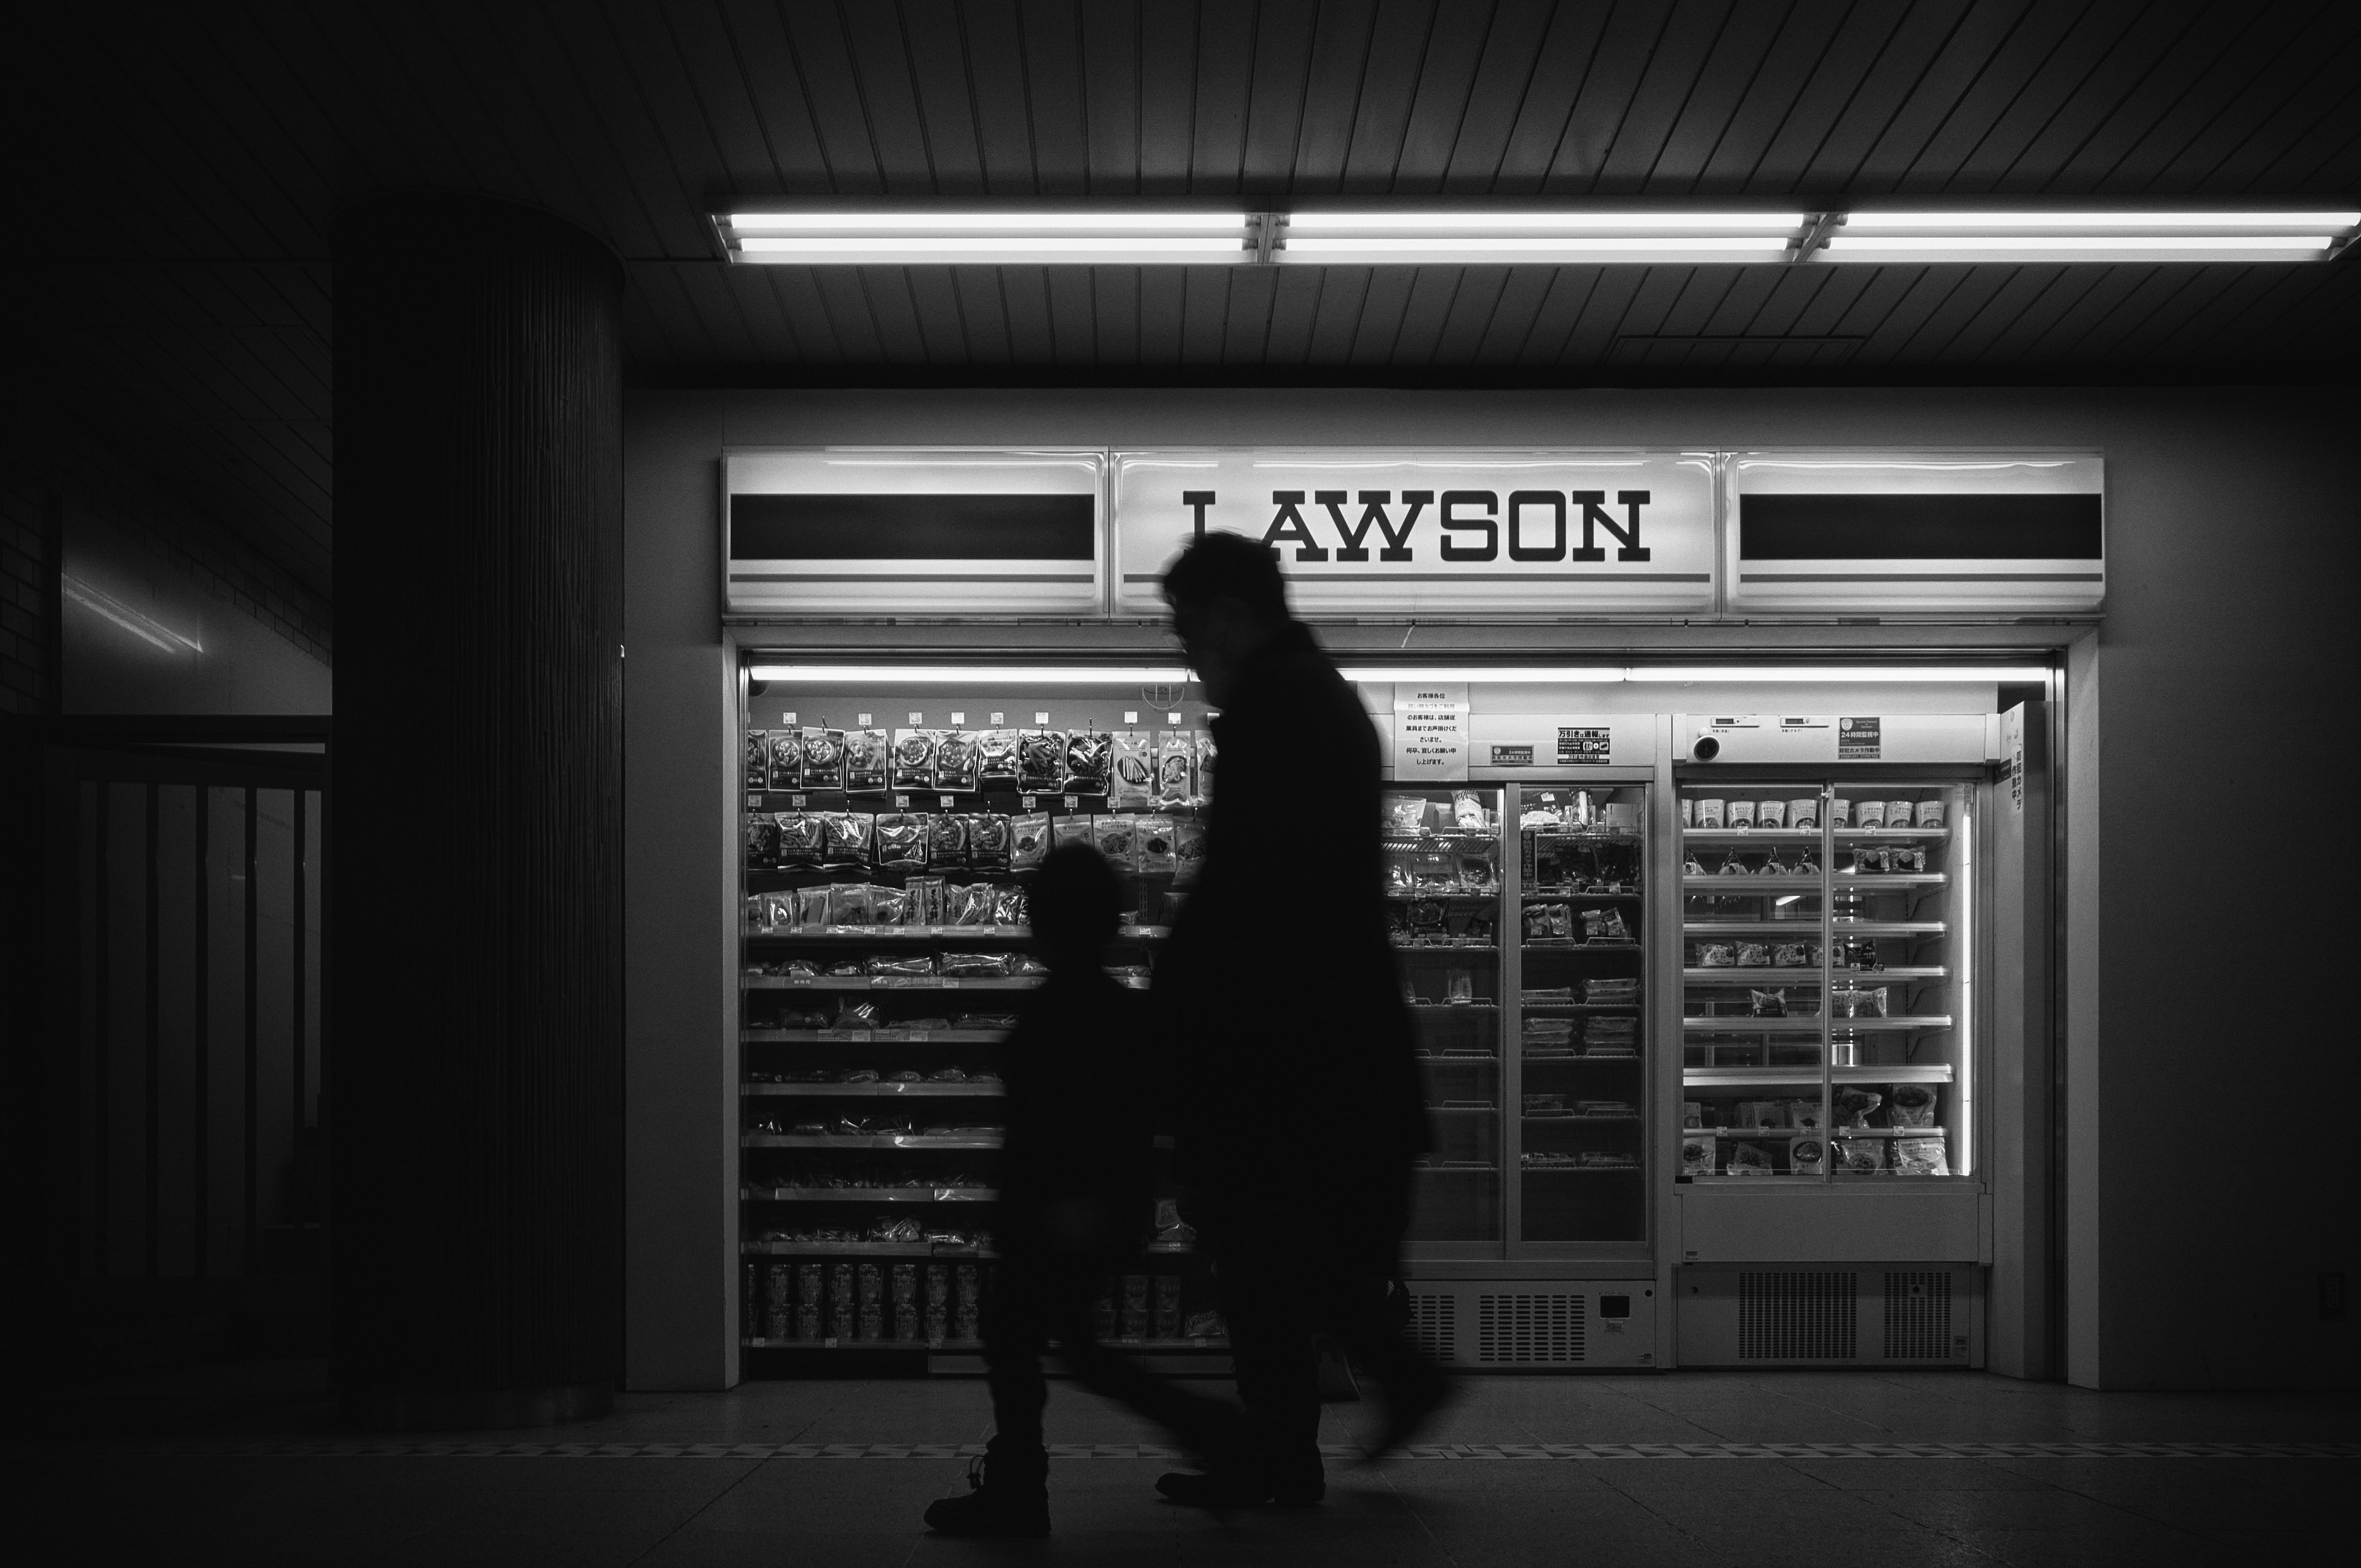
937, 1318
889, 906
1910, 1105
866, 760
995, 759
920, 964
1769, 1004
1028, 840
1928, 814
973, 905
873, 1302
1709, 812
1012, 906
1897, 813
1808, 1156
959, 762
758, 759
1804, 812
1065, 830
1769, 814
1803, 1115
840, 1302
1467, 811
1745, 1159
904, 1298
1206, 750
1086, 761
809, 1300
901, 842
1459, 988
1547, 923
774, 1317
1165, 1320
1920, 1156
823, 758
1188, 852
1696, 1157
1131, 769
1406, 815
802, 838
1861, 1155
914, 758
1742, 813
1869, 813
987, 840
1134, 1324
786, 759
1854, 1103
926, 893
946, 839
1604, 926
973, 966
762, 840
1155, 845
1717, 955
849, 837
1041, 760
967, 1313
1117, 837
1788, 955
1857, 1002
1176, 767
1753, 955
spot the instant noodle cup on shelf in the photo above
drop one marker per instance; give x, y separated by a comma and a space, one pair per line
1803, 811
1898, 813
1741, 813
1869, 813
1927, 814
1709, 812
1841, 813
1771, 814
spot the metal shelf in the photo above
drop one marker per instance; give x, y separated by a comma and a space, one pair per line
870, 1194
855, 936
1453, 1006
1843, 881
861, 1249
1809, 926
1543, 897
888, 982
876, 1090
1412, 896
1447, 949
874, 1037
1739, 1077
1812, 835
863, 1141
1730, 974
1815, 1133
909, 1346
1809, 1024
1580, 1169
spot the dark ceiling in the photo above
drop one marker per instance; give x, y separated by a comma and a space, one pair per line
184, 166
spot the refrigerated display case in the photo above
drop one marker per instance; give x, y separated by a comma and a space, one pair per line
1826, 972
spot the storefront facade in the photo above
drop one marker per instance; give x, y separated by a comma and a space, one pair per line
2040, 1231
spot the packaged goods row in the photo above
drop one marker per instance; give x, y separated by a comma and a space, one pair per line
1703, 812
1130, 768
1847, 953
1147, 842
847, 1126
906, 966
1868, 860
1541, 1039
1913, 1107
858, 1075
890, 1229
1565, 923
932, 1304
1775, 1001
1810, 1154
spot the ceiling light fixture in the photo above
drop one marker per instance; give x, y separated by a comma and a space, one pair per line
824, 234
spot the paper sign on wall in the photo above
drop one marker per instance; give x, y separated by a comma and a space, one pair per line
1859, 740
1431, 733
2012, 756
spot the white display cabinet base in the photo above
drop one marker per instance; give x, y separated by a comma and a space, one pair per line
1536, 1325
1916, 1313
1864, 1220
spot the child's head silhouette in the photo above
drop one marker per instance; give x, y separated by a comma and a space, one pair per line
1077, 903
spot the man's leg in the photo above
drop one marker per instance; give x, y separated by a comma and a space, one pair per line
1263, 1296
1010, 1496
1204, 1426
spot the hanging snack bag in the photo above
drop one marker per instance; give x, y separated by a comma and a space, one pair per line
1086, 761
946, 839
758, 759
1869, 813
786, 759
1771, 814
1769, 1004
1155, 850
1742, 813
1928, 814
1131, 769
987, 840
1065, 830
811, 907
849, 834
1708, 814
762, 840
889, 906
1919, 1157
1011, 905
1746, 1159
1911, 1105
1117, 837
823, 759
1861, 1157
995, 759
914, 758
1205, 753
1696, 1157
1028, 840
1041, 760
1176, 767
900, 843
959, 762
848, 903
865, 761
1807, 1156
1188, 852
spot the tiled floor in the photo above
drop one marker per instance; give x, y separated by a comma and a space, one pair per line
243, 1465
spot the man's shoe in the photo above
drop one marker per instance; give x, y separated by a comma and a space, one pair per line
1008, 1495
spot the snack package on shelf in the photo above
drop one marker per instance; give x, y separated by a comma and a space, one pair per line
901, 841
1753, 955
1769, 1003
848, 837
959, 762
1116, 838
762, 840
975, 966
1155, 846
1610, 992
1028, 840
1131, 769
1086, 761
1857, 1002
1793, 955
1176, 767
1206, 749
946, 839
1861, 1155
1717, 955
1808, 1156
871, 1323
1041, 760
758, 759
927, 894
938, 1320
802, 838
1853, 1104
811, 905
1919, 1157
1188, 852
809, 1301
889, 906
914, 758
905, 1300
1604, 926
777, 1313
1548, 922
987, 840
1074, 830
1746, 1159
786, 759
973, 905
840, 1306
995, 759
1012, 906
1696, 1157
823, 758
1910, 1105
867, 761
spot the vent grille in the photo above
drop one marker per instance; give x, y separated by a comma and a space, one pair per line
1797, 1316
1918, 1315
1529, 1330
1435, 1324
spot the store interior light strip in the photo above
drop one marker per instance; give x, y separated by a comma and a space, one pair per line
1169, 674
825, 235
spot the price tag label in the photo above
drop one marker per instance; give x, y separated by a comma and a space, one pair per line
1173, 719
1131, 717
753, 801
786, 719
863, 719
959, 718
917, 717
1040, 719
946, 801
1032, 802
901, 803
800, 801
1073, 803
998, 719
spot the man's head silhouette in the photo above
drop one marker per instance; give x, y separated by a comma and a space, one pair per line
1227, 600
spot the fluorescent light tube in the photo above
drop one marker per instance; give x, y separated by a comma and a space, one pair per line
1129, 250
1543, 223
974, 674
1009, 222
2081, 246
2258, 223
1505, 673
1448, 249
1841, 674
146, 628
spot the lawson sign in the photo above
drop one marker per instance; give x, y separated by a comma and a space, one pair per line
1394, 533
